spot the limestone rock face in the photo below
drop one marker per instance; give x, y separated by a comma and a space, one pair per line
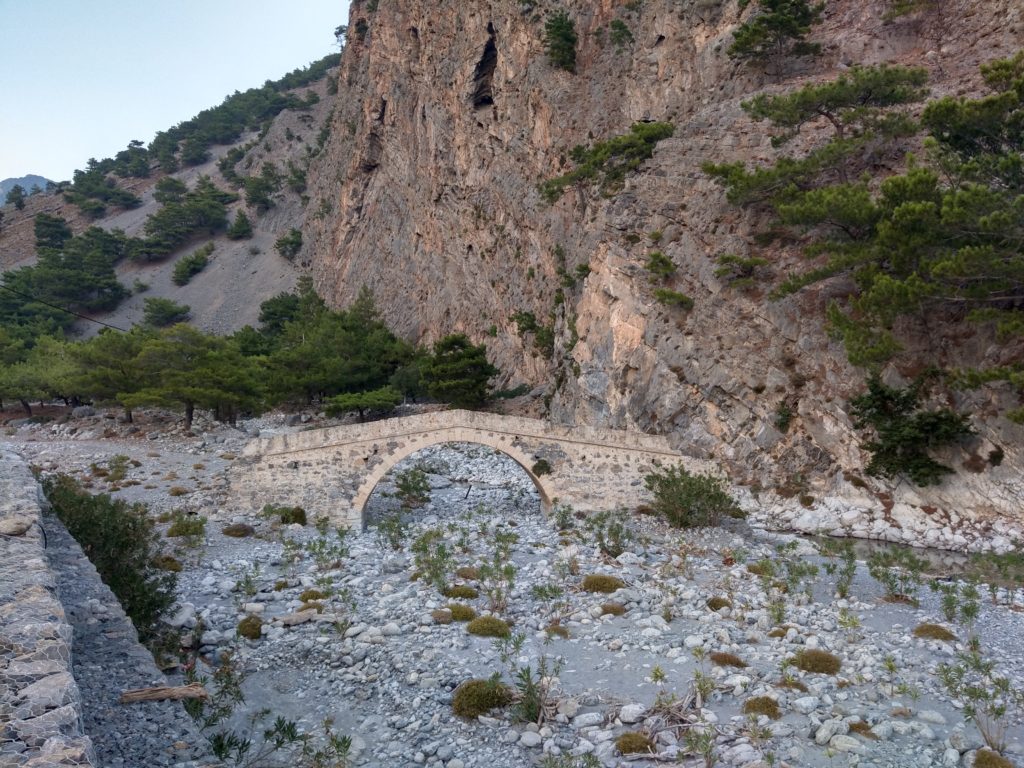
448, 117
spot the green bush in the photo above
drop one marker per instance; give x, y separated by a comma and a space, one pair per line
288, 245
120, 541
597, 582
188, 266
461, 612
904, 433
674, 299
690, 501
287, 515
478, 697
488, 626
560, 41
186, 525
609, 161
818, 661
163, 312
412, 488
250, 627
633, 743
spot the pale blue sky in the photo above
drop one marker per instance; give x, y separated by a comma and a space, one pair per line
82, 78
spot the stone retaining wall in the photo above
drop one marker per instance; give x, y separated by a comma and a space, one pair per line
40, 705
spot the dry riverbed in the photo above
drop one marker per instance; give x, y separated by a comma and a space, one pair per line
378, 654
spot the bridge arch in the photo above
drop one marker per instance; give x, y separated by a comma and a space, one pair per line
498, 443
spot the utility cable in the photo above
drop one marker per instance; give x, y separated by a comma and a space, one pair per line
60, 309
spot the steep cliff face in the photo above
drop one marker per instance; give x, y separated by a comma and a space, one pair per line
427, 193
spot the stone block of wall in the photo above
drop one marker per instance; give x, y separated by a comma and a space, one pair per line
40, 706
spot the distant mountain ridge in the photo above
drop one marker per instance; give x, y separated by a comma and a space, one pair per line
27, 182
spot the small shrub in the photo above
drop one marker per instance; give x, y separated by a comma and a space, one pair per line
762, 705
238, 530
673, 299
160, 313
468, 572
614, 609
441, 616
290, 244
167, 563
723, 659
718, 603
461, 591
186, 525
177, 490
461, 612
633, 743
933, 632
612, 532
488, 626
818, 661
287, 515
189, 266
760, 568
412, 488
557, 630
250, 627
899, 572
863, 729
596, 582
541, 467
478, 697
986, 758
689, 501
777, 632
311, 595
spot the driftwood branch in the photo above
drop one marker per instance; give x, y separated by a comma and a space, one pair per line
165, 693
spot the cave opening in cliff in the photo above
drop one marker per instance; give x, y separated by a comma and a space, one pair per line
483, 75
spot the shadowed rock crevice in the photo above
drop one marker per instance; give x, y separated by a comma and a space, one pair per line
483, 75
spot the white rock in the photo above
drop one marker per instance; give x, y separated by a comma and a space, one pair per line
843, 743
931, 716
530, 739
587, 719
632, 713
806, 704
693, 641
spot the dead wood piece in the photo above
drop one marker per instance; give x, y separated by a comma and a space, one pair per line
165, 693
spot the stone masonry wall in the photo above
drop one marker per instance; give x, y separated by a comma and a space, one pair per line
40, 705
333, 471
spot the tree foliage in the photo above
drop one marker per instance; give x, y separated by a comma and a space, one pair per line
457, 372
777, 30
609, 161
687, 500
159, 313
16, 197
560, 41
942, 240
121, 542
904, 433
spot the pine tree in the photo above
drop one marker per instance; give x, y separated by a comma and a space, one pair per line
241, 227
16, 197
777, 31
560, 40
458, 372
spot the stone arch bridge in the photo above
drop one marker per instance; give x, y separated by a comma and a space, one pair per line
333, 471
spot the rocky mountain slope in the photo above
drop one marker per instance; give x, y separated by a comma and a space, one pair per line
427, 192
227, 294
